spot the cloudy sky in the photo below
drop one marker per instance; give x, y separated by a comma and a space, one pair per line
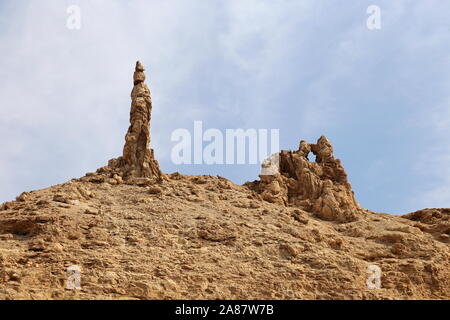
308, 68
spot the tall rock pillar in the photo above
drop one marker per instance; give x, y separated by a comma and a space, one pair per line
137, 158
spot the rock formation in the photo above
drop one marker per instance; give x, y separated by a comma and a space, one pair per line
138, 159
203, 237
320, 187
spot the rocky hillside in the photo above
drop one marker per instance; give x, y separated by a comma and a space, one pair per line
137, 233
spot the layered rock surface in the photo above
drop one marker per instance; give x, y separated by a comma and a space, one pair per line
433, 221
202, 237
320, 187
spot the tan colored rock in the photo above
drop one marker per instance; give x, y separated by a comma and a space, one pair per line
56, 247
92, 211
61, 198
37, 245
85, 193
154, 190
118, 178
433, 221
23, 196
112, 181
288, 249
6, 236
138, 159
320, 186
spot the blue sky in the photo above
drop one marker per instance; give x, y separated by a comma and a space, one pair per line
309, 68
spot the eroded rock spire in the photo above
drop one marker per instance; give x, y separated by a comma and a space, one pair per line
138, 160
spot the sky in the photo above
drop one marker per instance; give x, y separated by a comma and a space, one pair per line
308, 68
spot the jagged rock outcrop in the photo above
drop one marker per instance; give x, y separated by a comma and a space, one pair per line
320, 187
434, 221
138, 159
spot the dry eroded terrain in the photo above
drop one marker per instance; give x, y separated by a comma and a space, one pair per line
204, 237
